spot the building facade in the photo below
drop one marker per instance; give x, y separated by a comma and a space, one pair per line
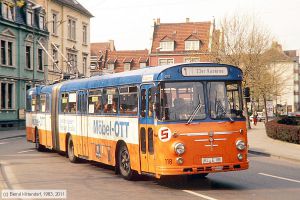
22, 57
106, 59
68, 23
182, 42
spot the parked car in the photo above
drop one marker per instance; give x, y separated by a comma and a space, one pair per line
260, 117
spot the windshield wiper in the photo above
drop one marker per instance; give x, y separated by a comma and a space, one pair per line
198, 107
220, 106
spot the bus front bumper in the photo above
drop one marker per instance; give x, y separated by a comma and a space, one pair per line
188, 170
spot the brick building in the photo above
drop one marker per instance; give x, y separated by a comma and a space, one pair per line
106, 59
182, 42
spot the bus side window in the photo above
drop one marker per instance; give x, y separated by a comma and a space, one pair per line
33, 103
95, 101
64, 103
72, 103
143, 103
128, 100
43, 103
110, 99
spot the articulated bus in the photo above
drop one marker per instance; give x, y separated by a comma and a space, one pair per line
184, 119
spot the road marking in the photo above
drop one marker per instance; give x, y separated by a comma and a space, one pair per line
26, 151
199, 195
278, 177
4, 142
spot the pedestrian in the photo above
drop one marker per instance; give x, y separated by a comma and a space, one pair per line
255, 115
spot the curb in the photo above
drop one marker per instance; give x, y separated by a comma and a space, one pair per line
272, 155
11, 137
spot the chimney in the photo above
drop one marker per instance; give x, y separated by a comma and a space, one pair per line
111, 45
158, 21
187, 20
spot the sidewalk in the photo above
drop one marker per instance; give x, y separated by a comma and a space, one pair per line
260, 143
12, 133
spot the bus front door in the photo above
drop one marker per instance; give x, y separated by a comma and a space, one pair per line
146, 135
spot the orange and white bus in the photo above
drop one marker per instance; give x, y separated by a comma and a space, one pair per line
180, 119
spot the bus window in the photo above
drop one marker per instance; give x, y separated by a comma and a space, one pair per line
33, 103
151, 101
224, 100
128, 100
150, 141
95, 101
143, 103
64, 103
110, 100
43, 103
143, 140
181, 100
72, 103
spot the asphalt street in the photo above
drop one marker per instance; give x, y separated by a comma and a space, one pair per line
24, 168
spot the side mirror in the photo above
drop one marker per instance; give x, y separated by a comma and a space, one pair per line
247, 94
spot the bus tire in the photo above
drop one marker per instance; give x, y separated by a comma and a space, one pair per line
71, 155
124, 163
38, 146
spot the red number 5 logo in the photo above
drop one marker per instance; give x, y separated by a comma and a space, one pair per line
164, 134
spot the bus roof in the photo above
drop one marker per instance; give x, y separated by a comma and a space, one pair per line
148, 74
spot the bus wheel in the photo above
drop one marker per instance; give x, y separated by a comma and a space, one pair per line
38, 146
71, 154
124, 163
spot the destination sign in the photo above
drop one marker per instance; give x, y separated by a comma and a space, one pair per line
204, 71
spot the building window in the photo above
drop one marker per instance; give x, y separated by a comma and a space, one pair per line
84, 64
54, 24
3, 52
143, 65
7, 95
127, 66
191, 60
55, 57
29, 18
192, 45
40, 59
84, 34
167, 46
8, 12
72, 58
6, 53
28, 57
71, 29
166, 61
42, 22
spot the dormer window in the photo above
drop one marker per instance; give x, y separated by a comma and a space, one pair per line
166, 46
29, 18
127, 63
8, 11
111, 64
192, 45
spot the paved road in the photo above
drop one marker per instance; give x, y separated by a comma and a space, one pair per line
24, 168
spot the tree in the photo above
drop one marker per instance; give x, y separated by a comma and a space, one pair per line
244, 43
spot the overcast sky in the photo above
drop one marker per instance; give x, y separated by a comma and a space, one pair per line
129, 22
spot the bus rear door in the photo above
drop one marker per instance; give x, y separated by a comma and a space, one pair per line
146, 129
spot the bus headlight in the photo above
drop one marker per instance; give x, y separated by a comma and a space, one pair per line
179, 148
179, 161
240, 145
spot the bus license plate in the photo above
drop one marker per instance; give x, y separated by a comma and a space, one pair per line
212, 160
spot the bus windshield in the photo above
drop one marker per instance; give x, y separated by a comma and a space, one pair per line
181, 100
225, 100
186, 101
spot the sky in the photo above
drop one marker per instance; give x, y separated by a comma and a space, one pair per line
130, 22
